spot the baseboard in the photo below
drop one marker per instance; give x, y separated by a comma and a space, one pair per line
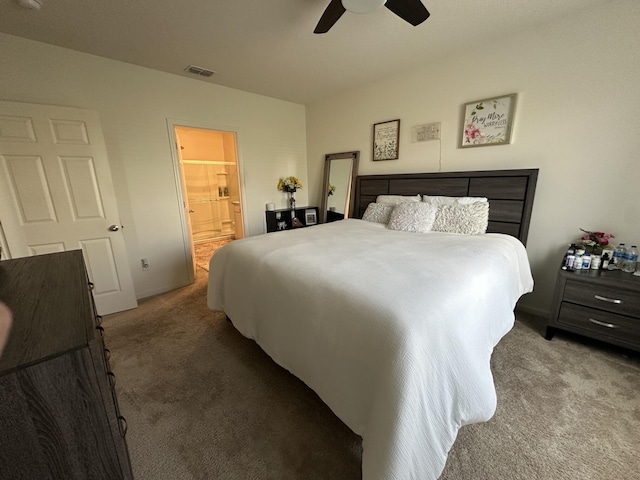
159, 291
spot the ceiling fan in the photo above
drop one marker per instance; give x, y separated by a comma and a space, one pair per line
413, 11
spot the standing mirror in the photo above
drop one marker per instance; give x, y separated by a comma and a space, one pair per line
338, 186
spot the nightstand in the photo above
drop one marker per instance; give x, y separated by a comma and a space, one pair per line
600, 304
283, 218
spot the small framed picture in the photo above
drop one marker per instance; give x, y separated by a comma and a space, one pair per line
386, 140
487, 122
310, 217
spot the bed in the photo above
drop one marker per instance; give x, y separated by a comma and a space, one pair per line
393, 330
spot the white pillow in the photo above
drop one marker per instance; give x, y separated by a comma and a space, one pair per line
378, 212
413, 217
470, 200
471, 219
396, 199
441, 200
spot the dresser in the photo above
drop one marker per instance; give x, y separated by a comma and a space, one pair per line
600, 304
59, 416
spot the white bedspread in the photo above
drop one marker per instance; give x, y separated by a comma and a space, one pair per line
393, 330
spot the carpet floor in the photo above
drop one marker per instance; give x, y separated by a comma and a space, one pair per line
203, 402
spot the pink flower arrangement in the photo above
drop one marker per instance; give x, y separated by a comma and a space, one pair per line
596, 240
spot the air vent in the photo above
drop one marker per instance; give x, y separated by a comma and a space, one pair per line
203, 72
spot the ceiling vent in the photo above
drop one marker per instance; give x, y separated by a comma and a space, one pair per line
203, 72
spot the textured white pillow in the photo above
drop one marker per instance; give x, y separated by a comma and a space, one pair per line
378, 212
413, 217
471, 219
441, 200
470, 200
396, 199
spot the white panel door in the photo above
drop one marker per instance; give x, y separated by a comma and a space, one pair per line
56, 194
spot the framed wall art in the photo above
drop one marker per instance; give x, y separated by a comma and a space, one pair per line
386, 140
310, 217
488, 122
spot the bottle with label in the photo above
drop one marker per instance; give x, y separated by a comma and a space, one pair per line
570, 260
630, 260
596, 261
618, 257
605, 261
586, 261
622, 256
565, 260
577, 263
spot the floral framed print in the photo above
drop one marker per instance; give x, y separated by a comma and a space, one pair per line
488, 122
386, 140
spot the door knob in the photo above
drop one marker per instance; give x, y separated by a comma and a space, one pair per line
191, 211
114, 228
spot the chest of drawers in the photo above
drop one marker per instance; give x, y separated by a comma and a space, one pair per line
59, 416
600, 304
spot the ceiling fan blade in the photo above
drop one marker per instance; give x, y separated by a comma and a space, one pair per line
334, 11
413, 11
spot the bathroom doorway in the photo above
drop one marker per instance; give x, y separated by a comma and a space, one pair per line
211, 190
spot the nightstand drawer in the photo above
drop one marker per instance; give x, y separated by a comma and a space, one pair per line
616, 300
599, 322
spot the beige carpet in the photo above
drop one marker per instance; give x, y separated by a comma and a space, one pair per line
203, 402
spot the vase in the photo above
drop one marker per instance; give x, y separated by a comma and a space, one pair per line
292, 200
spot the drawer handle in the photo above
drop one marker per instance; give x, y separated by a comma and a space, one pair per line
607, 299
98, 320
107, 354
603, 324
123, 429
112, 379
91, 286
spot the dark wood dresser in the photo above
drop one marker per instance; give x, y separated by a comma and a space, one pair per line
600, 304
59, 415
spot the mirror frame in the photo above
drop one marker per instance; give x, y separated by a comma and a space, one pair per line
355, 157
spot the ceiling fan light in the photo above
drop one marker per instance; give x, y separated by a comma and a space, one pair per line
363, 6
30, 4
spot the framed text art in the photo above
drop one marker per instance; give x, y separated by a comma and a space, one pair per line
386, 140
488, 122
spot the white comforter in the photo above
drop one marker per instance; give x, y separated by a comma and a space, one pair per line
393, 330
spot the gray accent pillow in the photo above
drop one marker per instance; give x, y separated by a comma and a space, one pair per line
378, 212
471, 219
413, 217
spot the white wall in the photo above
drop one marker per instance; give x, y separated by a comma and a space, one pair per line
578, 85
134, 104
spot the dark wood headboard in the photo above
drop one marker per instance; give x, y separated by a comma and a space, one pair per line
510, 193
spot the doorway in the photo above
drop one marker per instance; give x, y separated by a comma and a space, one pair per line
211, 190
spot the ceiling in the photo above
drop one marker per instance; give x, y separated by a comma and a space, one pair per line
268, 46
